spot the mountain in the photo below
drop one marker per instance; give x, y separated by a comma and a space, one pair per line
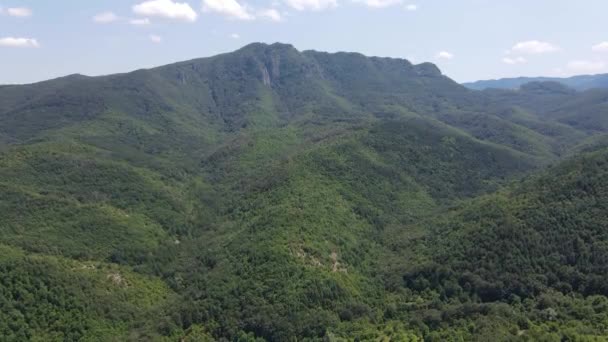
276, 194
579, 83
555, 102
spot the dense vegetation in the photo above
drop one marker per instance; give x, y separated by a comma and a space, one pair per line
271, 194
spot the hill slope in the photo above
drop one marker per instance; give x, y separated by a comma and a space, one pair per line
539, 246
258, 194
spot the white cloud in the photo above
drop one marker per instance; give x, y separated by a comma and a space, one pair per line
105, 17
270, 14
235, 36
19, 12
311, 5
19, 42
140, 22
234, 10
533, 47
380, 3
155, 38
444, 55
582, 66
515, 60
229, 8
166, 9
601, 47
411, 7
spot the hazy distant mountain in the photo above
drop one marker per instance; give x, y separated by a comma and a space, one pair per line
580, 83
271, 194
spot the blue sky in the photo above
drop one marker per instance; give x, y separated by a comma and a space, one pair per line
467, 39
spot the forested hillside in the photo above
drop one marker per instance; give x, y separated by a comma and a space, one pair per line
270, 194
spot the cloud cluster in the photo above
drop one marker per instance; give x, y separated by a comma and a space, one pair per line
270, 14
105, 18
514, 60
382, 3
528, 47
232, 9
20, 12
533, 47
167, 9
387, 3
110, 17
19, 42
584, 66
444, 55
595, 65
311, 5
228, 8
600, 47
182, 11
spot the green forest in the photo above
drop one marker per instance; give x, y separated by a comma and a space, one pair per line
271, 194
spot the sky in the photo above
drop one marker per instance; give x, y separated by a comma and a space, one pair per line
468, 39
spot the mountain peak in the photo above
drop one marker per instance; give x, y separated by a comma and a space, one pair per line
427, 69
259, 46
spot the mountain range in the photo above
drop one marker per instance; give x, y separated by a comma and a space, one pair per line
271, 194
580, 83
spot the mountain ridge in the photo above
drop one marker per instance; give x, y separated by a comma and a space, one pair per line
579, 82
253, 45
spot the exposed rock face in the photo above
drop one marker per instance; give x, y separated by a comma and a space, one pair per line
265, 76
